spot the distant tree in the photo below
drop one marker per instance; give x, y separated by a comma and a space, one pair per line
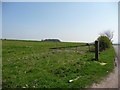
52, 40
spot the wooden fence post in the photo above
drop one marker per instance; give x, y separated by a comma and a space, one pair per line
96, 50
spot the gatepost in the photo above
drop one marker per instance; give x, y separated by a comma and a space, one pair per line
96, 50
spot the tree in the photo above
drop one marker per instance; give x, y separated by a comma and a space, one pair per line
104, 42
109, 34
51, 40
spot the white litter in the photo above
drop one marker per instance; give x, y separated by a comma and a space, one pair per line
103, 64
74, 79
70, 81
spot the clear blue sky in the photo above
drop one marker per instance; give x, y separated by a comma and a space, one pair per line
76, 22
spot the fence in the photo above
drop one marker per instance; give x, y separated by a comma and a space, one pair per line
94, 47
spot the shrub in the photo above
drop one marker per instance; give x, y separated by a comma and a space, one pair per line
104, 42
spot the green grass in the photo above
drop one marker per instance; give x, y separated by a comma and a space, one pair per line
32, 64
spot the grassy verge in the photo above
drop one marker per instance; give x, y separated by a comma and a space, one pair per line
34, 65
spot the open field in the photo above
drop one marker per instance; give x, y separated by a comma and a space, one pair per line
30, 64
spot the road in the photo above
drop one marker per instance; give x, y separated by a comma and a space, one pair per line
112, 80
117, 49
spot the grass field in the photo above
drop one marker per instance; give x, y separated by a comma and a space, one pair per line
30, 64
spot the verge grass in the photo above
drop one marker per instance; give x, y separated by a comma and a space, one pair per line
28, 64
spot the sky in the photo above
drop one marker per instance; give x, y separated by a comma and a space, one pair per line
67, 21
